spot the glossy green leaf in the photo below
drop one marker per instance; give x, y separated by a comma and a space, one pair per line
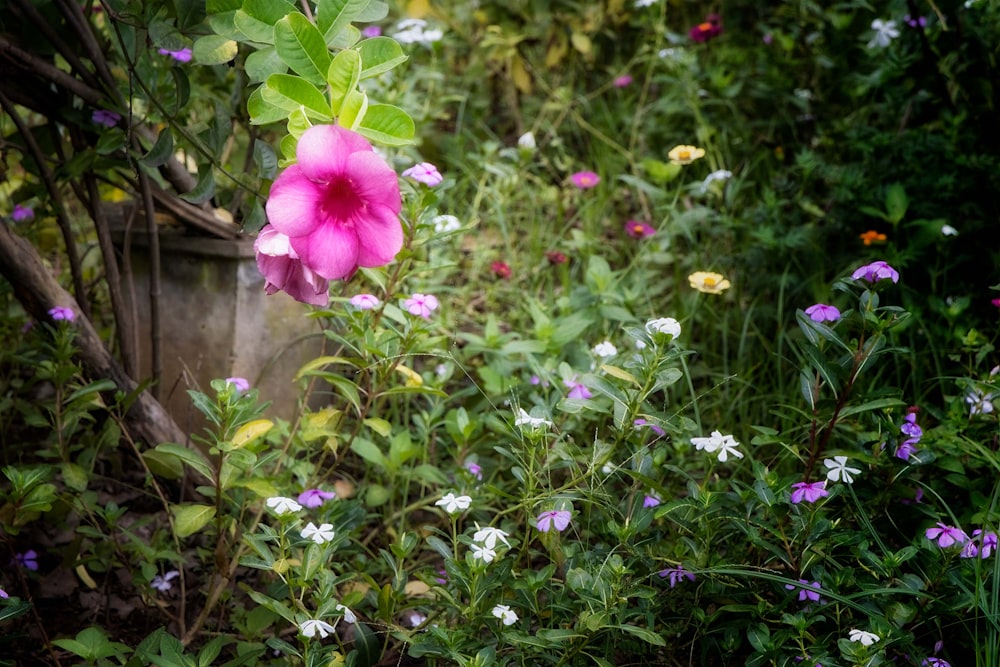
380, 54
161, 150
266, 160
191, 457
343, 76
333, 15
190, 518
204, 189
268, 11
214, 50
353, 110
301, 45
254, 30
291, 92
262, 112
263, 63
388, 125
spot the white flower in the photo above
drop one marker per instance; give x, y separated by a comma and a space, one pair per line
452, 503
664, 325
728, 448
644, 3
489, 536
348, 614
605, 349
415, 618
504, 613
885, 32
319, 535
282, 505
866, 638
711, 443
717, 175
948, 230
527, 141
162, 583
524, 419
980, 403
311, 627
838, 470
485, 554
444, 224
414, 31
639, 344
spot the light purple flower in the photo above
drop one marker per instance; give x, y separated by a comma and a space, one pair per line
426, 173
558, 519
651, 500
653, 427
3, 594
181, 55
875, 272
622, 81
972, 547
945, 535
315, 497
421, 305
675, 575
474, 469
808, 491
935, 662
27, 560
805, 594
906, 449
371, 31
577, 390
821, 312
22, 213
240, 384
162, 582
585, 179
365, 301
62, 313
910, 426
105, 117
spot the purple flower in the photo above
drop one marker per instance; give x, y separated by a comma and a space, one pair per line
935, 662
365, 301
919, 22
945, 536
240, 384
972, 547
105, 117
639, 230
875, 272
808, 491
421, 305
651, 500
804, 593
162, 583
22, 213
371, 31
577, 390
910, 426
3, 594
906, 449
623, 81
585, 179
442, 577
474, 469
675, 575
62, 313
181, 55
656, 429
821, 312
315, 497
558, 519
426, 173
28, 560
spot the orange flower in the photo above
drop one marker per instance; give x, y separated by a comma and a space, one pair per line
871, 236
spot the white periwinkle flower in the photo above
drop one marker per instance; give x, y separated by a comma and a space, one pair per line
282, 505
948, 230
644, 3
666, 326
505, 614
980, 403
524, 419
162, 583
483, 553
717, 175
866, 638
605, 349
885, 32
314, 627
348, 614
729, 448
445, 224
838, 471
415, 31
452, 503
320, 535
527, 141
489, 536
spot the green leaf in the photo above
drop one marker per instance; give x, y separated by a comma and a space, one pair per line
301, 45
214, 50
375, 10
262, 112
877, 404
14, 609
190, 518
267, 161
896, 203
204, 189
353, 110
182, 88
74, 476
291, 92
387, 125
254, 30
263, 63
380, 54
161, 150
643, 634
370, 452
268, 11
343, 76
333, 15
191, 457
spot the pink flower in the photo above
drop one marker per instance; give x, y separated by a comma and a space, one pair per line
656, 429
181, 56
577, 390
339, 205
241, 384
105, 117
371, 31
945, 536
421, 305
284, 271
425, 173
971, 548
705, 31
365, 301
315, 497
639, 230
501, 270
622, 81
995, 302
585, 179
821, 312
22, 213
558, 519
875, 272
808, 491
62, 313
474, 469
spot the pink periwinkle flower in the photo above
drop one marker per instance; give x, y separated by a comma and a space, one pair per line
945, 536
558, 519
284, 271
981, 544
421, 305
62, 313
240, 384
709, 28
820, 312
339, 204
27, 560
577, 390
875, 272
22, 213
653, 427
371, 31
181, 55
805, 594
808, 491
585, 179
474, 469
676, 575
623, 81
315, 497
365, 301
639, 230
426, 173
105, 117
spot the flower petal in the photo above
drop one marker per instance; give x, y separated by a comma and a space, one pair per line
331, 250
380, 236
323, 151
293, 206
373, 181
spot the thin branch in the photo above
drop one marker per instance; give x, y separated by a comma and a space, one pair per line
152, 230
61, 46
23, 60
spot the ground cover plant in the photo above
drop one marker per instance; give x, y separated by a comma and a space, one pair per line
652, 333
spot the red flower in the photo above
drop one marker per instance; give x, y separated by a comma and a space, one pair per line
556, 257
501, 270
707, 30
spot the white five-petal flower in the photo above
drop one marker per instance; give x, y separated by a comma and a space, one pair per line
885, 32
349, 615
314, 627
319, 535
664, 325
729, 448
838, 471
505, 614
524, 419
282, 505
452, 503
489, 536
483, 553
605, 349
866, 638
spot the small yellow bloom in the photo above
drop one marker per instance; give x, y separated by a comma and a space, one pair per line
871, 236
685, 154
708, 282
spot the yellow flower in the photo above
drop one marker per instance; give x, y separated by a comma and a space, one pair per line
685, 154
708, 282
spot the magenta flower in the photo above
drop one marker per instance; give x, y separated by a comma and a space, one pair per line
240, 384
912, 429
27, 560
62, 313
972, 547
421, 305
656, 429
105, 117
426, 173
315, 497
22, 213
474, 469
676, 575
623, 81
805, 594
808, 491
577, 390
821, 312
283, 270
339, 205
558, 519
585, 179
181, 56
875, 272
371, 31
365, 301
639, 230
706, 30
945, 536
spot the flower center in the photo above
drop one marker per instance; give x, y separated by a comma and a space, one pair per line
709, 282
705, 27
637, 229
685, 155
340, 202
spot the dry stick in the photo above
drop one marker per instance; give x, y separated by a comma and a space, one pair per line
53, 190
46, 28
74, 15
156, 334
35, 65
